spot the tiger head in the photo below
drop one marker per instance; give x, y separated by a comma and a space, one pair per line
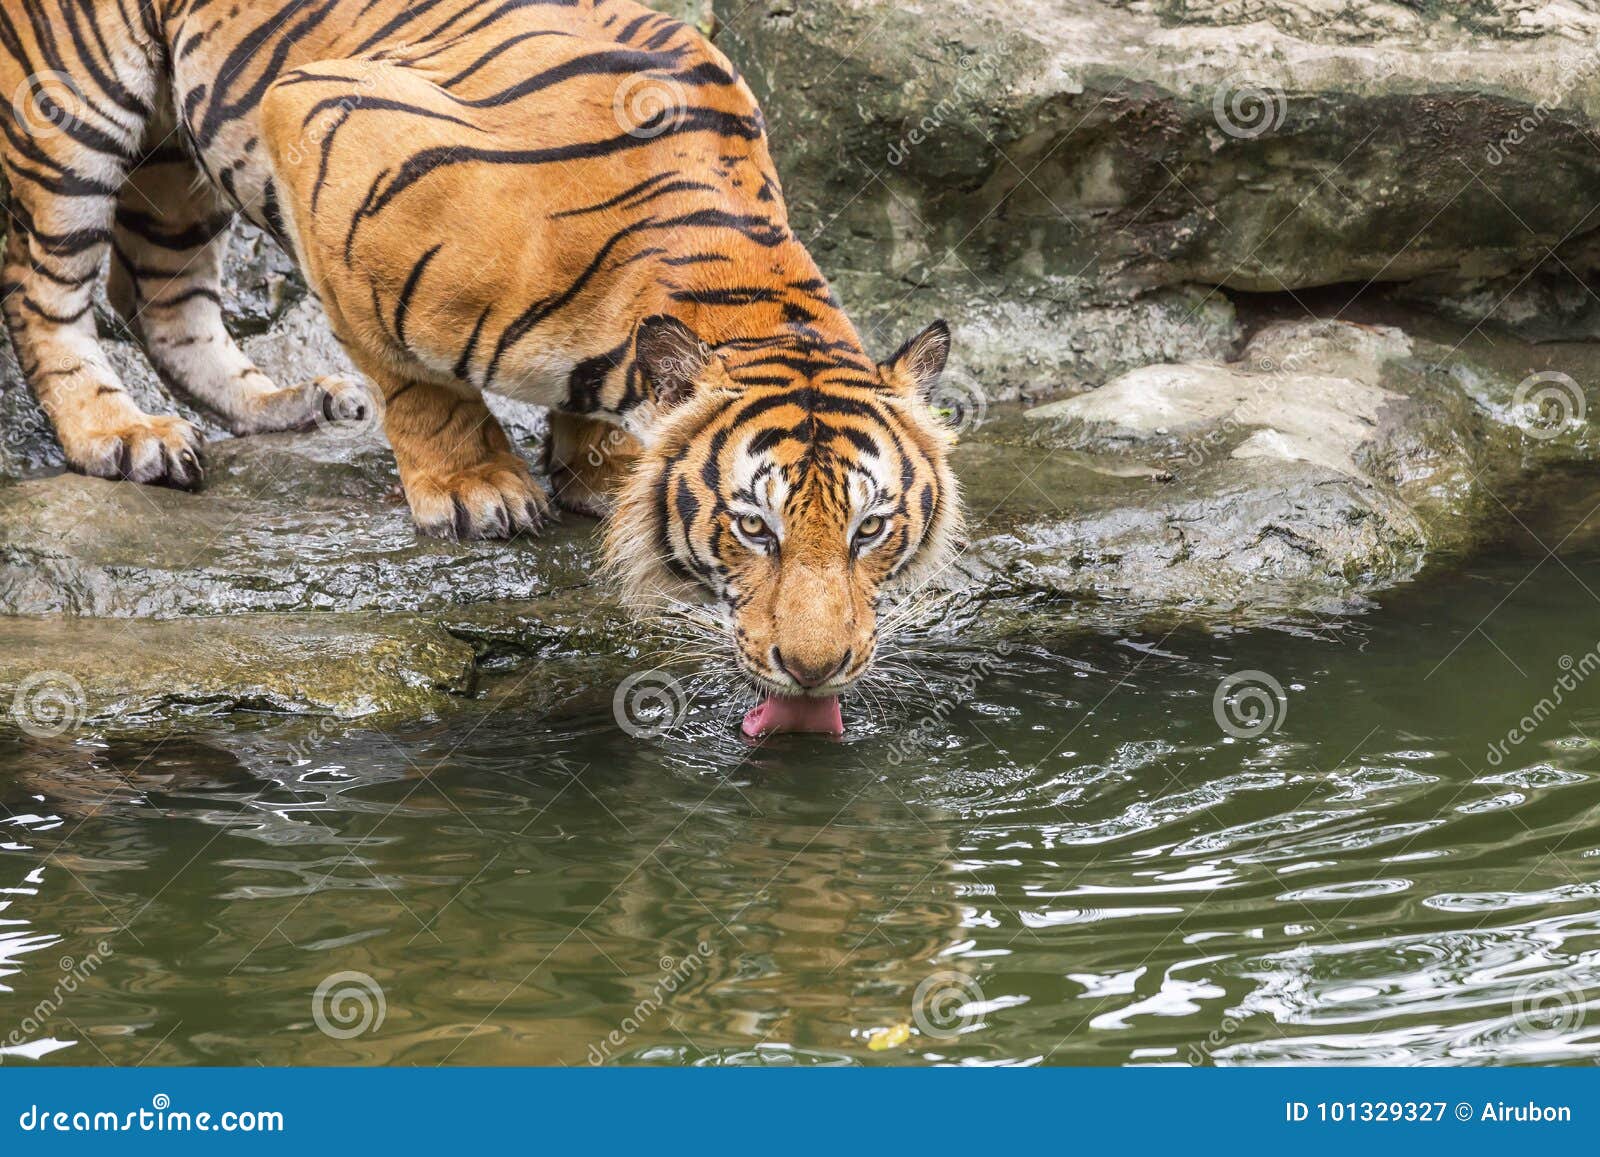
789, 486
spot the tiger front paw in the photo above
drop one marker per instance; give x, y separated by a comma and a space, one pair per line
495, 499
154, 450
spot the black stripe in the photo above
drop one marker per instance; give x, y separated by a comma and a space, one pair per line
430, 160
408, 291
463, 366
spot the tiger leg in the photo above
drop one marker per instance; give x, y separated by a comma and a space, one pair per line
461, 477
587, 459
64, 178
166, 273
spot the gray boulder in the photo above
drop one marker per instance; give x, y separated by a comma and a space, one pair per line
1327, 463
1083, 152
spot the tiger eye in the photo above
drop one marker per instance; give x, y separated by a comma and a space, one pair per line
870, 527
752, 525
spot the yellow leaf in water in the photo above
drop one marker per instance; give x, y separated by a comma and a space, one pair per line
884, 1039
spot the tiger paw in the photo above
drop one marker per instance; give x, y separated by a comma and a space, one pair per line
333, 400
497, 498
156, 451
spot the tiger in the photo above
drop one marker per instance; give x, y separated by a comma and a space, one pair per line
567, 202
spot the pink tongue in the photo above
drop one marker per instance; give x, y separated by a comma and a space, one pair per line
776, 715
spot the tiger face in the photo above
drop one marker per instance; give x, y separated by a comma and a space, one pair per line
790, 488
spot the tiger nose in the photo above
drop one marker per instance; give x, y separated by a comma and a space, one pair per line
808, 671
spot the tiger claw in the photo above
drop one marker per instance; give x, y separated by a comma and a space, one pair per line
343, 399
157, 451
184, 470
496, 500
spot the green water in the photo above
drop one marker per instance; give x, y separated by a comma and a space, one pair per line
1073, 863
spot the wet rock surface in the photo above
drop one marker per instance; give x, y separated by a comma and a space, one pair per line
287, 524
61, 671
1276, 479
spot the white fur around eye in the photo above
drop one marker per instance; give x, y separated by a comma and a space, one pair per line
862, 489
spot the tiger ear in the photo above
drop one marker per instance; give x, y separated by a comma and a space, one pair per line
915, 368
672, 358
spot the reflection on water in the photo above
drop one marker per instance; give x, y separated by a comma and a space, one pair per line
1076, 864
